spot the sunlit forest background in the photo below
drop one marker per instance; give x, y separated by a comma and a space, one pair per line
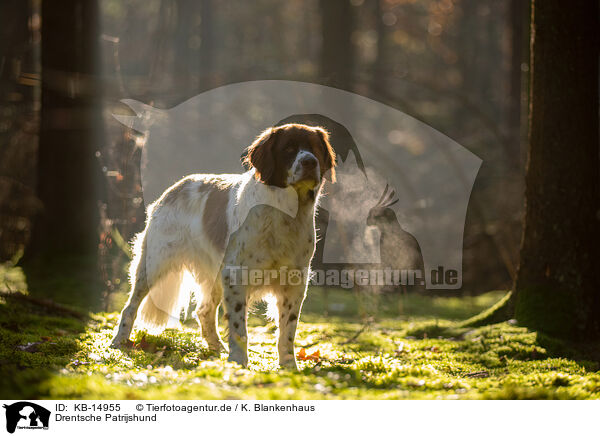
460, 66
71, 193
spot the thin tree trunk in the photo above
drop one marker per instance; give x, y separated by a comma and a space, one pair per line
557, 282
378, 77
185, 63
207, 45
337, 52
518, 18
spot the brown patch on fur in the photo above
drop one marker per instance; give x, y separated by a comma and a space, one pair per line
175, 193
215, 216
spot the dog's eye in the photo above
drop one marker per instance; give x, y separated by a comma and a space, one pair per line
290, 149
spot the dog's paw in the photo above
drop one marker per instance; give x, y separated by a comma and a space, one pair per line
241, 360
121, 344
289, 364
217, 347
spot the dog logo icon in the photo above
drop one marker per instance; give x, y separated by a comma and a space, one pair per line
26, 415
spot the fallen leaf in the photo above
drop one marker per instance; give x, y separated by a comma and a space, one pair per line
315, 357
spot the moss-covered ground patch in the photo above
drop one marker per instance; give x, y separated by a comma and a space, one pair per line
422, 353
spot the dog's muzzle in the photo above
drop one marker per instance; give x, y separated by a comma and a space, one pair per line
305, 169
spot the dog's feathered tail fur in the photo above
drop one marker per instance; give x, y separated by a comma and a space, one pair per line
168, 294
162, 306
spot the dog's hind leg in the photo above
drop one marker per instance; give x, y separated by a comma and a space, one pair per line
207, 315
140, 289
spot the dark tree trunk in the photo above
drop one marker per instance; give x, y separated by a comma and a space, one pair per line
18, 118
185, 65
337, 52
557, 285
207, 45
194, 48
378, 83
68, 175
15, 48
518, 13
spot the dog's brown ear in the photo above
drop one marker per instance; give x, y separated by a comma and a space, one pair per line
260, 155
329, 153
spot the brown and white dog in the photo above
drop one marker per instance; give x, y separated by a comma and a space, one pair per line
202, 226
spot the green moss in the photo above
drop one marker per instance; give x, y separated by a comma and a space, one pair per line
71, 280
426, 355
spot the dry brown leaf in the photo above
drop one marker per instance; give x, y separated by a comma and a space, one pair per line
315, 357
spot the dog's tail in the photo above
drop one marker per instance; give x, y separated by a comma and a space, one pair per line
165, 302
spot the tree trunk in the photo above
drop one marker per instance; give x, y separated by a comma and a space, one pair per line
19, 119
337, 52
68, 175
378, 85
518, 13
185, 62
207, 45
557, 285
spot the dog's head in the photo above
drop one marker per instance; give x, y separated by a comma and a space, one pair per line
292, 155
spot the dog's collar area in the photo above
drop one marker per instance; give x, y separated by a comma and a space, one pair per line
307, 190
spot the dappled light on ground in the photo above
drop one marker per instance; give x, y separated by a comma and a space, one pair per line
45, 356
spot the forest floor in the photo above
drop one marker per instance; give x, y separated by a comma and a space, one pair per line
423, 353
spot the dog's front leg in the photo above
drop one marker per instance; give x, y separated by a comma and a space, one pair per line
289, 304
236, 308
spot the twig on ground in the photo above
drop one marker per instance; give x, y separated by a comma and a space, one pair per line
478, 374
365, 326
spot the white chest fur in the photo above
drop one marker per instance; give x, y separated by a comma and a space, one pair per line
269, 239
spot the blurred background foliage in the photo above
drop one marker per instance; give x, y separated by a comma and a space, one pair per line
460, 66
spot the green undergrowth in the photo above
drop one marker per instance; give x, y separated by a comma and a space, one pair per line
421, 353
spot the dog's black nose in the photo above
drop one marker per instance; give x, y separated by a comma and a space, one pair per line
309, 164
